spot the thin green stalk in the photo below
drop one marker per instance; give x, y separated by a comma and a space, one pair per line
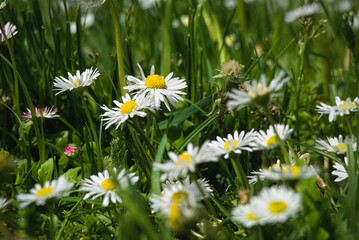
50, 209
42, 142
348, 119
241, 171
121, 69
92, 126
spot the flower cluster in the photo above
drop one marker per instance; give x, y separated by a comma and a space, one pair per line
341, 108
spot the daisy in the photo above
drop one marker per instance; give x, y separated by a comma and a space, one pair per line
46, 113
245, 215
75, 81
40, 194
341, 171
234, 143
8, 31
157, 88
103, 185
256, 92
128, 109
336, 145
70, 151
270, 139
276, 205
178, 201
287, 172
303, 11
3, 4
4, 202
186, 161
341, 108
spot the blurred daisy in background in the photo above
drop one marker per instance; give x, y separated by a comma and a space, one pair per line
4, 202
8, 31
257, 92
186, 162
128, 109
79, 80
276, 205
303, 11
86, 21
40, 194
46, 113
234, 143
179, 202
3, 4
157, 88
336, 145
270, 139
340, 171
245, 215
341, 108
104, 185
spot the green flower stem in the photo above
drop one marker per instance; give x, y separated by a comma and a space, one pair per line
42, 142
206, 201
50, 208
348, 119
116, 24
92, 126
242, 173
61, 231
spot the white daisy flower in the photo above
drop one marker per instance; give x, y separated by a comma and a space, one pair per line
276, 205
341, 108
341, 171
279, 171
40, 194
234, 143
46, 113
103, 185
157, 88
8, 31
3, 4
79, 80
303, 11
128, 109
186, 161
4, 202
270, 139
146, 4
336, 145
245, 215
178, 201
256, 92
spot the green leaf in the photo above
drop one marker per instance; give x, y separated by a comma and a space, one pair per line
72, 174
45, 171
63, 161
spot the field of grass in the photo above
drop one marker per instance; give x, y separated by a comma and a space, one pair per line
169, 119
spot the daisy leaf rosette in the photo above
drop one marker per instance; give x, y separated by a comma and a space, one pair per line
270, 139
157, 88
129, 108
234, 143
103, 184
341, 108
178, 201
76, 81
336, 145
181, 164
40, 194
256, 92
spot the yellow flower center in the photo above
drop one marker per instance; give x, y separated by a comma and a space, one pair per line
108, 184
260, 91
155, 81
251, 216
227, 146
341, 147
44, 191
277, 164
184, 157
272, 140
344, 104
175, 213
75, 81
127, 107
277, 207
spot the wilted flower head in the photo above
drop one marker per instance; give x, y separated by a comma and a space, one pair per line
303, 11
89, 4
8, 31
46, 113
231, 69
